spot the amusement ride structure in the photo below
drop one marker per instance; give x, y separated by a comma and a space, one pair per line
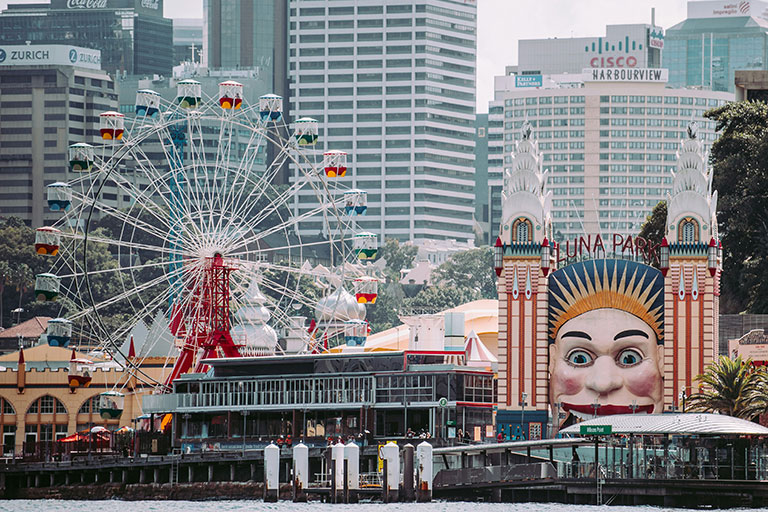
176, 214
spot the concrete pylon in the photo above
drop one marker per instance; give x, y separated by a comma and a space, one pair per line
300, 472
426, 472
337, 456
271, 473
406, 493
352, 456
391, 453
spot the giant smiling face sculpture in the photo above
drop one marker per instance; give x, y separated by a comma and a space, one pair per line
605, 332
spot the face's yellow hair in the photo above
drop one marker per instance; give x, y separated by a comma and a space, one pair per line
614, 284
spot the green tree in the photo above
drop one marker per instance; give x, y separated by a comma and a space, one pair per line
730, 386
440, 298
472, 269
384, 314
740, 160
398, 257
654, 227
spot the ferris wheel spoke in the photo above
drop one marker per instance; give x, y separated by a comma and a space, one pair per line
115, 299
279, 227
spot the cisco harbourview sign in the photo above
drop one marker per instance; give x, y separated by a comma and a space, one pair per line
625, 75
50, 55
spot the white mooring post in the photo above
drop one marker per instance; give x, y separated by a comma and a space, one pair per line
271, 472
352, 456
300, 472
391, 453
424, 460
337, 455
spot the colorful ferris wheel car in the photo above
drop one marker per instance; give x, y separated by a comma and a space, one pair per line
59, 332
230, 95
80, 157
47, 241
111, 125
111, 405
147, 103
47, 287
188, 94
306, 131
59, 196
270, 107
365, 245
335, 163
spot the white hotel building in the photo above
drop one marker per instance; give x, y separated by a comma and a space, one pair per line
610, 145
392, 82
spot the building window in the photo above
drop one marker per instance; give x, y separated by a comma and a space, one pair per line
47, 405
7, 407
688, 231
522, 230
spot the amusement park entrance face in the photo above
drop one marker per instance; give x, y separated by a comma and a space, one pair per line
607, 357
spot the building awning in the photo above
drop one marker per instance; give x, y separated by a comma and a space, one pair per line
680, 423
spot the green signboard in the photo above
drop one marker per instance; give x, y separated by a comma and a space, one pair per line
600, 430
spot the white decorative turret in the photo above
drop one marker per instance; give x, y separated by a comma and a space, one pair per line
526, 203
251, 327
692, 205
339, 306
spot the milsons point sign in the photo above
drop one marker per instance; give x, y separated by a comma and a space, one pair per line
594, 247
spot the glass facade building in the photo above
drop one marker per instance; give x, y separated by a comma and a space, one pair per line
706, 52
132, 35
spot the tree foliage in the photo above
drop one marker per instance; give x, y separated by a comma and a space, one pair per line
740, 160
733, 387
464, 277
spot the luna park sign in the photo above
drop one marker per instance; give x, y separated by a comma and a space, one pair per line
593, 246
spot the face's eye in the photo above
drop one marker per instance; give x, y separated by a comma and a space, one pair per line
579, 357
629, 357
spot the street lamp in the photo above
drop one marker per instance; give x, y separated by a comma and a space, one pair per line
596, 406
524, 397
682, 398
634, 406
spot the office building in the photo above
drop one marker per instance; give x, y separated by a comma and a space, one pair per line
716, 39
392, 83
50, 97
132, 35
489, 167
187, 40
609, 141
624, 46
248, 34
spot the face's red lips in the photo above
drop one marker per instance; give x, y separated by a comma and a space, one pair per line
607, 410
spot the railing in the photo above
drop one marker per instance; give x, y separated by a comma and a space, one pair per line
317, 392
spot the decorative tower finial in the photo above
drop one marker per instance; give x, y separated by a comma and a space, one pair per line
693, 130
526, 130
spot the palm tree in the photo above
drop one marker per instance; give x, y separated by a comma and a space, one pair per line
733, 387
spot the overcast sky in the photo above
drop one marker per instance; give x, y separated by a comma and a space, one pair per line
502, 22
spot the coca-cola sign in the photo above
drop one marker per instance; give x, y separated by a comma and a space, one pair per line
150, 4
86, 4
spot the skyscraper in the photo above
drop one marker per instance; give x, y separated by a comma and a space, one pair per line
716, 39
248, 34
132, 35
392, 82
50, 97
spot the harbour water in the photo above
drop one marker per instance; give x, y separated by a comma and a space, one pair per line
259, 506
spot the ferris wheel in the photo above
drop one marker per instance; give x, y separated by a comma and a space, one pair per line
176, 217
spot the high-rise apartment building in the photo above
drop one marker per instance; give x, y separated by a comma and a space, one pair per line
718, 38
608, 140
392, 83
132, 35
50, 97
187, 40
